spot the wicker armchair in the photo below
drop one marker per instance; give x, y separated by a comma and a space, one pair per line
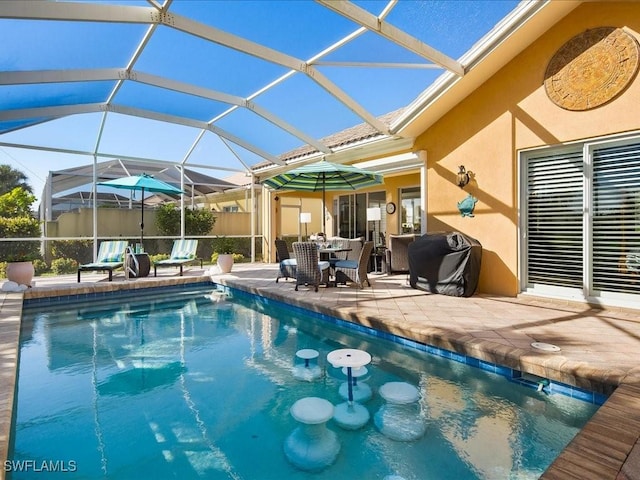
355, 244
287, 264
398, 253
355, 271
309, 271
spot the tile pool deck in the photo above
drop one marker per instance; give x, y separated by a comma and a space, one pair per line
600, 348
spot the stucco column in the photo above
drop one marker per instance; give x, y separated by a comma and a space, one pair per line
422, 156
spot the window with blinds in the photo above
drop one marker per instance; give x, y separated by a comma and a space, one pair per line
566, 227
554, 219
616, 218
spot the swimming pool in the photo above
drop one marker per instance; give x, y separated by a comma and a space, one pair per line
192, 384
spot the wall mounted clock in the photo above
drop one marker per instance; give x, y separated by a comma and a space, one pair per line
391, 208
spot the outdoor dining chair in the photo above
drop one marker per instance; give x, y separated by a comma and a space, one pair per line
183, 252
355, 270
110, 256
310, 271
355, 244
287, 264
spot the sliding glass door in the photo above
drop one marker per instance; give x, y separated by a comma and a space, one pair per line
350, 216
581, 222
410, 210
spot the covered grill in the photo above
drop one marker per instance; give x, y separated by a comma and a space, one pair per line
446, 263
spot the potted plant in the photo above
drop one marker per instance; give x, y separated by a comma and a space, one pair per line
20, 267
17, 221
224, 249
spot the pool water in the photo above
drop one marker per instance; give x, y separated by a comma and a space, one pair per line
195, 384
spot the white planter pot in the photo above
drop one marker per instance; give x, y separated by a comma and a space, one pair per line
20, 272
225, 262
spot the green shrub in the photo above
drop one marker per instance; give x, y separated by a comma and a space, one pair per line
16, 203
40, 266
157, 257
19, 227
224, 245
64, 265
17, 221
150, 244
237, 257
205, 248
79, 250
242, 245
196, 221
240, 258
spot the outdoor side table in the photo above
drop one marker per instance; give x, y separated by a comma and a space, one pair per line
144, 264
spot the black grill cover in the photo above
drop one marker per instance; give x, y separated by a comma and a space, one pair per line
446, 263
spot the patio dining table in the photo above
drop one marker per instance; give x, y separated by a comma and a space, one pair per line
325, 254
327, 251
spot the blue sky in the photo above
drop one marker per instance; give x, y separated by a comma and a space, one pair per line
298, 28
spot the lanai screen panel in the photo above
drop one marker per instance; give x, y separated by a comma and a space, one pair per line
230, 68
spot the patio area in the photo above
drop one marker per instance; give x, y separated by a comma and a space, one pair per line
598, 347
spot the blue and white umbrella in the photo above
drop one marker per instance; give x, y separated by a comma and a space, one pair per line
142, 183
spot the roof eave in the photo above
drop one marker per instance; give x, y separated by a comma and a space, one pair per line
368, 148
503, 43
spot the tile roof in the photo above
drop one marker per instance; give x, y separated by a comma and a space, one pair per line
344, 137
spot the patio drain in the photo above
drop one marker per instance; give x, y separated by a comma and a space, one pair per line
547, 347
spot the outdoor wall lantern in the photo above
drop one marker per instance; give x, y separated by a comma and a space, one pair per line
463, 176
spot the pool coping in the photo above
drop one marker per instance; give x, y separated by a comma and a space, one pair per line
608, 447
11, 309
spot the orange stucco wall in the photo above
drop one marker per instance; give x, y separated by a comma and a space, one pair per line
113, 222
509, 113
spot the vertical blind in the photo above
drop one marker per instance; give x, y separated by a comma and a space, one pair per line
616, 218
555, 219
562, 224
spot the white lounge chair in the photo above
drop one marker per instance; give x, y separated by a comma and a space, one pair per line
183, 252
110, 256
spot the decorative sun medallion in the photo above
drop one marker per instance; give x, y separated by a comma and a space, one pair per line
592, 68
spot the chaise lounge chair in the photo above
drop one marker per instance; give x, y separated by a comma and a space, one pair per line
183, 252
110, 256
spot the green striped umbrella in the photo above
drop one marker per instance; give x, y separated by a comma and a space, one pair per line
323, 176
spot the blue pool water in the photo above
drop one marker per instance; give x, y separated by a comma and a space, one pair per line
194, 384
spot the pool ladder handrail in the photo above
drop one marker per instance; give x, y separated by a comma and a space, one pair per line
128, 271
